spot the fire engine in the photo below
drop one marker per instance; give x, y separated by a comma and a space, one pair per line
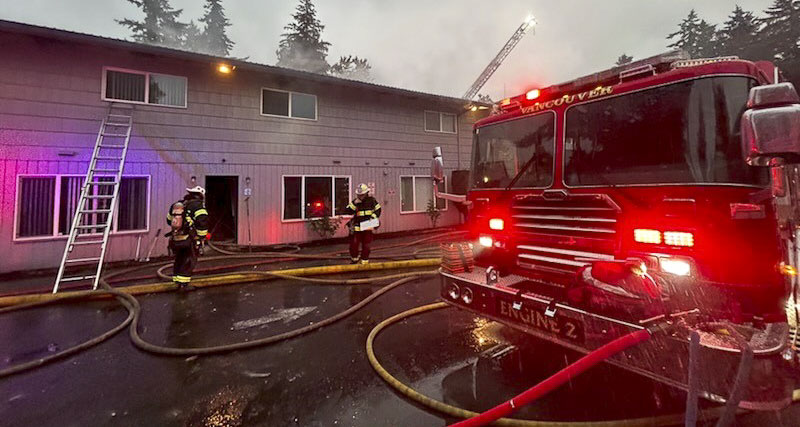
643, 196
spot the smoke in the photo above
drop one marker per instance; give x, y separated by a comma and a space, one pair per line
438, 47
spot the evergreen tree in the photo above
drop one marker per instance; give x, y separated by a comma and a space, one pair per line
302, 47
780, 36
695, 36
352, 67
738, 35
623, 60
214, 39
708, 45
781, 32
193, 39
160, 25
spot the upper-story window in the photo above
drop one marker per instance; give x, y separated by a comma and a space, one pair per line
436, 121
288, 104
143, 87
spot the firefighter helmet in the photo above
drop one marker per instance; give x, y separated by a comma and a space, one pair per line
362, 189
197, 189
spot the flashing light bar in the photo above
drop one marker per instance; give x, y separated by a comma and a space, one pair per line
678, 238
496, 224
532, 94
686, 63
645, 235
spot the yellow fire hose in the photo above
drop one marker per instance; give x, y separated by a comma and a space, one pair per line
456, 412
227, 279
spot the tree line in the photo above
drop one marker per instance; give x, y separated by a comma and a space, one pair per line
772, 36
301, 46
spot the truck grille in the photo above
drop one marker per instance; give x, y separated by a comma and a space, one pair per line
560, 236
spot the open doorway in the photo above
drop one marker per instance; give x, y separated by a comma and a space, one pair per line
222, 203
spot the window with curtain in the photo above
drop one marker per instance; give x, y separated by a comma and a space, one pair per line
416, 192
132, 204
35, 206
125, 86
144, 87
46, 205
70, 195
167, 90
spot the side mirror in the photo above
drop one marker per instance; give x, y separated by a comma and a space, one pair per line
437, 165
771, 126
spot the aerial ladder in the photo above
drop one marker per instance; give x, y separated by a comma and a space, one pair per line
92, 220
523, 29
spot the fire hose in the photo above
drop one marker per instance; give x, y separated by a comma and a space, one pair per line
134, 308
556, 380
535, 392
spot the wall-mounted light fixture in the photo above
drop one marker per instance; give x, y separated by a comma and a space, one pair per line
225, 68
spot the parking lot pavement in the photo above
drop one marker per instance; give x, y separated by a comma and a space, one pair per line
319, 379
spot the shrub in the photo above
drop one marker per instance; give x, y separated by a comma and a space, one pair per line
324, 227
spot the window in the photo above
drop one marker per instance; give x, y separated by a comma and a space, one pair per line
145, 88
522, 149
416, 192
46, 205
611, 142
306, 197
440, 122
288, 104
35, 206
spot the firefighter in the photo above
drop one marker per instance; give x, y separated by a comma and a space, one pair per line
188, 219
363, 208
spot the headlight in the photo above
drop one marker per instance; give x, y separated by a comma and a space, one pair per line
486, 241
466, 296
675, 266
453, 291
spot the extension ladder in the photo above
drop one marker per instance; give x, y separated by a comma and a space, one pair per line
92, 220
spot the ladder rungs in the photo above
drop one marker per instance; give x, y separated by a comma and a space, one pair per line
111, 146
108, 158
102, 196
102, 183
115, 135
90, 227
80, 260
76, 278
88, 242
95, 211
119, 115
105, 170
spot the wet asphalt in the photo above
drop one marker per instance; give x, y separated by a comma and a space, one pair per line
319, 379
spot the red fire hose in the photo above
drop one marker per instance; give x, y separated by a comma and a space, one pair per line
557, 379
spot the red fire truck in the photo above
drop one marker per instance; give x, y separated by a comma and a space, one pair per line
639, 196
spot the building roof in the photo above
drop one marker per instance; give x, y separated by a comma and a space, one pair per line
76, 37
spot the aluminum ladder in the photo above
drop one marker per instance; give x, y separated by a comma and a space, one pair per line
91, 223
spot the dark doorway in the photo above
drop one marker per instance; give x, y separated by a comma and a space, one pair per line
222, 202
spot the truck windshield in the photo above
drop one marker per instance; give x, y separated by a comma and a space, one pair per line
502, 150
686, 132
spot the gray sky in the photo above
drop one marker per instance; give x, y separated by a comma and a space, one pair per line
428, 45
